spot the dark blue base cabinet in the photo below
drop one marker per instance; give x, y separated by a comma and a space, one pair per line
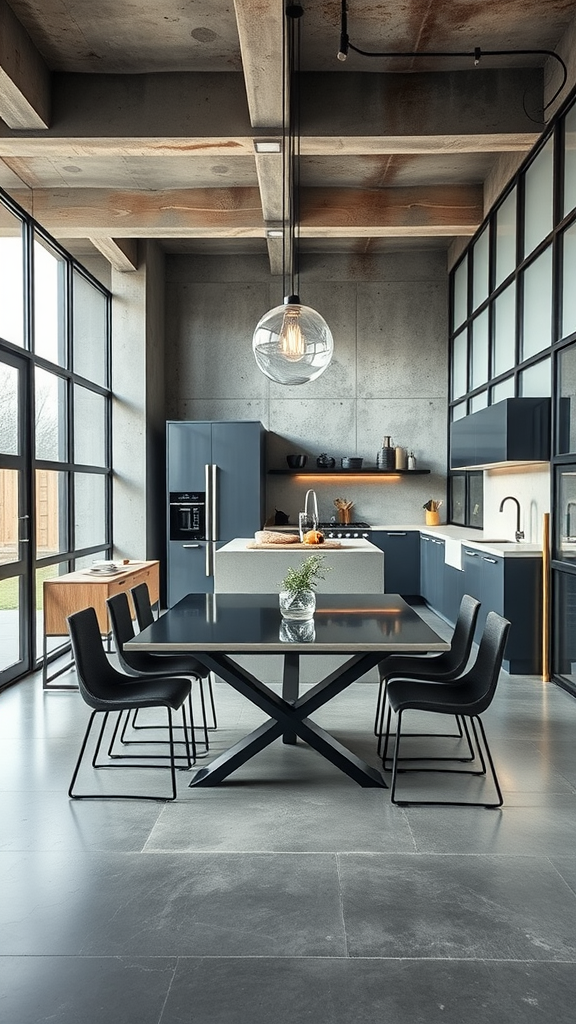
510, 586
513, 588
401, 560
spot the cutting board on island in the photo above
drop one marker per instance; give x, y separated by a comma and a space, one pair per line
255, 545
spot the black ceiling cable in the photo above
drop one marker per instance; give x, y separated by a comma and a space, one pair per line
477, 53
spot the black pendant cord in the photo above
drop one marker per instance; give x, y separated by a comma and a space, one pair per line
291, 164
476, 54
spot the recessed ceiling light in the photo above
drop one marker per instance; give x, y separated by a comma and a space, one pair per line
274, 233
268, 146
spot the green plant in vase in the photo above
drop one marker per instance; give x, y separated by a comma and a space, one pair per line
297, 596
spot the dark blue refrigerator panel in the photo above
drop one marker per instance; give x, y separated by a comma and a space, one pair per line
223, 463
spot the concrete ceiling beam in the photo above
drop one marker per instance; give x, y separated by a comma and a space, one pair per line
260, 32
121, 253
24, 77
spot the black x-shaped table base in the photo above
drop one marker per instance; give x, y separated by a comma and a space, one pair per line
289, 717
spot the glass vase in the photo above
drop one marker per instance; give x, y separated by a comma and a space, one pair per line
297, 605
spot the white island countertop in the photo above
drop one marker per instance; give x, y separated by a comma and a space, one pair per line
357, 567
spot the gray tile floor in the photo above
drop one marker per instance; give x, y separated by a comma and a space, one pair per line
288, 894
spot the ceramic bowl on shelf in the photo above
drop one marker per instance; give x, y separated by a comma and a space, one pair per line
296, 461
351, 463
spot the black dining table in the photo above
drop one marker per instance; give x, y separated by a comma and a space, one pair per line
363, 628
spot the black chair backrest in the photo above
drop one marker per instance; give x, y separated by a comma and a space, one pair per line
456, 659
142, 605
482, 678
123, 630
97, 679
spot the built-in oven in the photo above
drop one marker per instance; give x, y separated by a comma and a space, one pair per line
187, 515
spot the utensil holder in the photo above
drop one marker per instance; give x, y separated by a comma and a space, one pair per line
432, 518
344, 516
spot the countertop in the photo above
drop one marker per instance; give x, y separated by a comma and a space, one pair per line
347, 545
486, 542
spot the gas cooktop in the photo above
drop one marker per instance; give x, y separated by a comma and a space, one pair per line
356, 529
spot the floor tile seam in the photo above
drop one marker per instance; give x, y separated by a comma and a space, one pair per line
561, 876
176, 957
341, 905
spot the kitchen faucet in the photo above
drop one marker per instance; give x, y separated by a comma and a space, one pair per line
510, 497
314, 507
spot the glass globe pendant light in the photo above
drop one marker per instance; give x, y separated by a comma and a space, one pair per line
292, 343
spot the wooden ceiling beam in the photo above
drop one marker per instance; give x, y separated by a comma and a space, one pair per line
218, 213
260, 33
121, 253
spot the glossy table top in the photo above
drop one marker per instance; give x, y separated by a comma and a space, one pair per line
251, 623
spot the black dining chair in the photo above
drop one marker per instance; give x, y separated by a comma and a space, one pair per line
106, 691
440, 668
145, 617
468, 698
145, 663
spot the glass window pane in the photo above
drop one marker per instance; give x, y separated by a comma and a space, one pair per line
85, 561
537, 322
50, 404
538, 198
459, 365
49, 302
566, 518
9, 440
89, 339
10, 600
47, 572
570, 161
475, 499
535, 381
564, 632
90, 510
567, 401
460, 410
568, 277
458, 499
479, 401
480, 349
11, 278
504, 331
51, 506
9, 481
89, 427
505, 389
480, 268
460, 294
506, 238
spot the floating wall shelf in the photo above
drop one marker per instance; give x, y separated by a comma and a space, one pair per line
348, 472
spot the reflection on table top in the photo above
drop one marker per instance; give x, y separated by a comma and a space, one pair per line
251, 623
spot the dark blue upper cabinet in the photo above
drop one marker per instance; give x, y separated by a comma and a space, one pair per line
510, 432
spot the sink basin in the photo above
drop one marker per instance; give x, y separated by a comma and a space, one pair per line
493, 540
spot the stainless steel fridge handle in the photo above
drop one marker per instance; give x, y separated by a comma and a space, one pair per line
208, 567
208, 505
214, 496
190, 545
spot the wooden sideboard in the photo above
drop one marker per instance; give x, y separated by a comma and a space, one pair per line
67, 594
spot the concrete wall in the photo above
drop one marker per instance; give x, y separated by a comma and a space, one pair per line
388, 315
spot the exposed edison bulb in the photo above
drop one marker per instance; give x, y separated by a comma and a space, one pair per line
292, 341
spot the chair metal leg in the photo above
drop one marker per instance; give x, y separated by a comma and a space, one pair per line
448, 771
204, 725
383, 740
212, 703
131, 796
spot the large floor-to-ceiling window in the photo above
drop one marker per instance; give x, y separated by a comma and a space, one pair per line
514, 335
55, 427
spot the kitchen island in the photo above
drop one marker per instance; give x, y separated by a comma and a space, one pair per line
356, 567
